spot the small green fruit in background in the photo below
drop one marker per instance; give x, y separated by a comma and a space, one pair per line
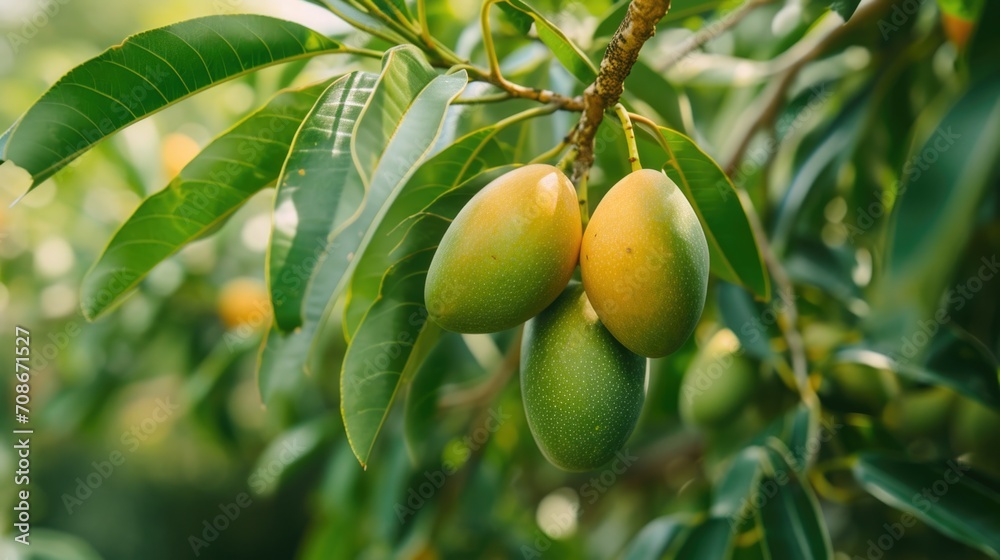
718, 384
862, 388
644, 262
582, 390
508, 254
975, 428
920, 413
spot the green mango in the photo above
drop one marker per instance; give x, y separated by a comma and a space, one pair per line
644, 263
718, 384
975, 428
582, 389
919, 413
508, 253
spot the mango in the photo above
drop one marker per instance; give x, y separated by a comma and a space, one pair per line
508, 254
644, 263
919, 413
582, 390
718, 384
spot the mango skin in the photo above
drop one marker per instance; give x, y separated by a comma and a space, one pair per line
644, 263
582, 390
718, 384
508, 254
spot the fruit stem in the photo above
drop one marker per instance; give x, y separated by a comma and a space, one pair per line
633, 150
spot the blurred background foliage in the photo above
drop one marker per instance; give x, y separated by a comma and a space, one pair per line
167, 380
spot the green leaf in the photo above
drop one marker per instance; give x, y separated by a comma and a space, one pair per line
327, 207
461, 160
944, 496
565, 51
614, 16
745, 317
946, 179
234, 166
144, 74
658, 537
735, 256
789, 516
412, 98
385, 353
360, 19
712, 540
954, 359
319, 189
394, 335
845, 8
650, 87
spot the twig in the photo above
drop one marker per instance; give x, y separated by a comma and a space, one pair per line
635, 29
484, 392
496, 78
709, 32
766, 108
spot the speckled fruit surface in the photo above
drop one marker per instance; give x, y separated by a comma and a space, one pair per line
508, 254
644, 262
582, 390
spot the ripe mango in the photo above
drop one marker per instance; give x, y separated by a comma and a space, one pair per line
582, 390
718, 383
644, 262
508, 254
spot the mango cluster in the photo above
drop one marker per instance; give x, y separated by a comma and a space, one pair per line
509, 257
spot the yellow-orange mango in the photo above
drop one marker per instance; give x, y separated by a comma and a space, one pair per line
508, 254
644, 262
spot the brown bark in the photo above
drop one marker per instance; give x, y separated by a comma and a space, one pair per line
635, 29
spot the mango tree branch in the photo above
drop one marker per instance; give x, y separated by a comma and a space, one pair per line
635, 29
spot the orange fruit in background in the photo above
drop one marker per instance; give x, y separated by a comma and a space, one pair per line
177, 150
957, 30
245, 302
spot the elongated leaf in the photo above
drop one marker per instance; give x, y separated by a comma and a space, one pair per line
385, 353
144, 74
657, 537
325, 209
565, 51
385, 347
614, 16
417, 128
735, 256
712, 540
461, 160
947, 178
952, 360
319, 189
233, 167
652, 88
942, 495
789, 516
360, 19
